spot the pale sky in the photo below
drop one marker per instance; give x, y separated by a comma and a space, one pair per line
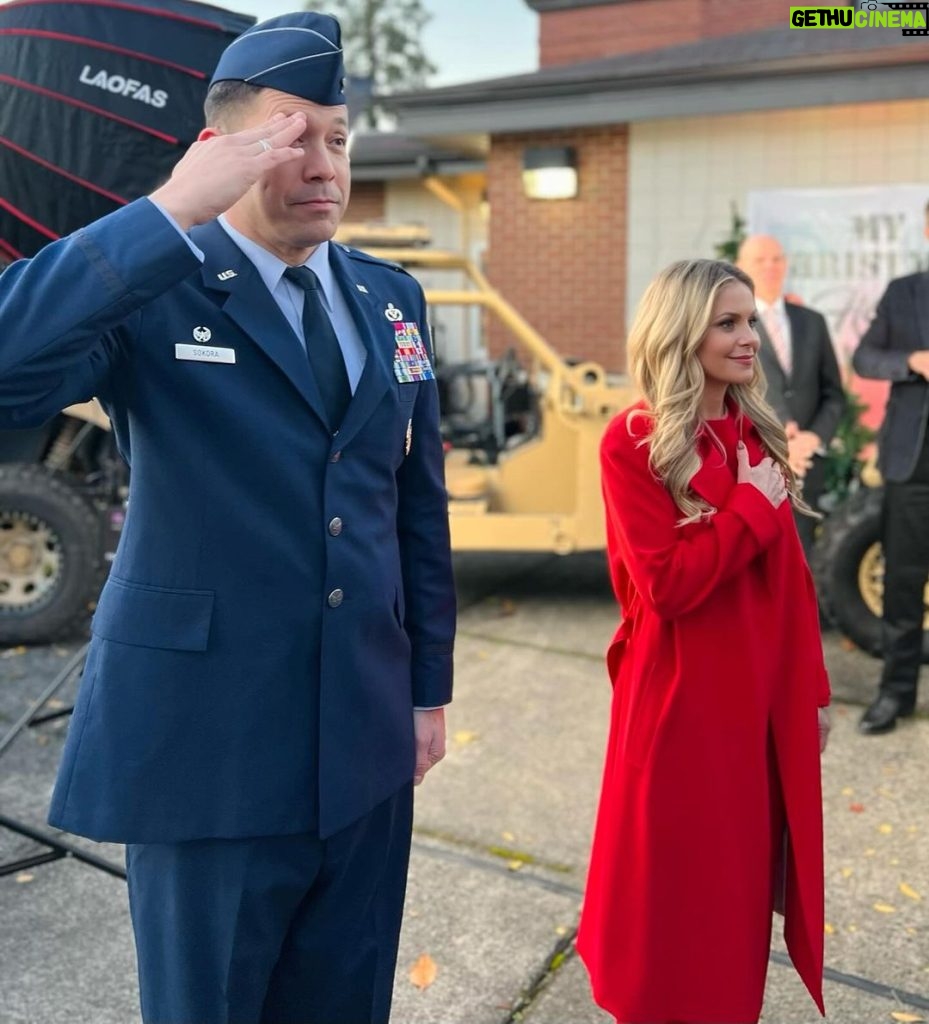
466, 39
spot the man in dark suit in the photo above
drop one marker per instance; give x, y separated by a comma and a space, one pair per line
273, 648
804, 383
895, 347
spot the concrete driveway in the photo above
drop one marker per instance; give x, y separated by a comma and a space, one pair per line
502, 833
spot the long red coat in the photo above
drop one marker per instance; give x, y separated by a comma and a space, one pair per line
713, 753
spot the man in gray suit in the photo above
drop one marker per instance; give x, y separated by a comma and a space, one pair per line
894, 348
804, 384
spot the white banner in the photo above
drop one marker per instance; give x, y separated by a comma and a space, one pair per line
843, 246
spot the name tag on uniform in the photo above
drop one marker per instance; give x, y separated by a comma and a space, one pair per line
411, 361
204, 353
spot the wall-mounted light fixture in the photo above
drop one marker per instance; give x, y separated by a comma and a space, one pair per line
550, 172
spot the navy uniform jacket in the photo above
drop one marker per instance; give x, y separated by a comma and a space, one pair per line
899, 328
254, 663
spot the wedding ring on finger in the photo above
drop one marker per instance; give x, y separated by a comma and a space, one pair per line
265, 145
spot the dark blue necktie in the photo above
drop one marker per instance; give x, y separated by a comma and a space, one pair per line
322, 347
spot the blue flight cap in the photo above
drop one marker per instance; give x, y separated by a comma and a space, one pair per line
297, 53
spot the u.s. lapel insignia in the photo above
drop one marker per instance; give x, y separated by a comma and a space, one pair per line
409, 438
226, 275
393, 314
202, 334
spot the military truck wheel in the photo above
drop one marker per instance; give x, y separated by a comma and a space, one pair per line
50, 564
848, 567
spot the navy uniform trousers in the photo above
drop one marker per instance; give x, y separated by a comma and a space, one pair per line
272, 930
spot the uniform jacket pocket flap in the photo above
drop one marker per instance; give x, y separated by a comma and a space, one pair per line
133, 613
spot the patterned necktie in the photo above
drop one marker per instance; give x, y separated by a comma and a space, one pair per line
775, 329
322, 347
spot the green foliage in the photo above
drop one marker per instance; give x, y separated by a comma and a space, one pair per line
728, 248
382, 44
844, 462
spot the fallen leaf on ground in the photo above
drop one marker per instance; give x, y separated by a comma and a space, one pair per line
515, 865
464, 736
870, 852
829, 929
847, 872
423, 972
885, 829
12, 652
856, 808
910, 892
906, 1018
885, 908
508, 837
848, 791
847, 644
23, 877
507, 607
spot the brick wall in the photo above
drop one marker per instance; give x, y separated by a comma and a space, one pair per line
630, 26
367, 201
562, 263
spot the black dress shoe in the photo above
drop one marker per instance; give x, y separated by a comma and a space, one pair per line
882, 715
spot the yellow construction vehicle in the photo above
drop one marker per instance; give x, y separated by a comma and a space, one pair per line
522, 432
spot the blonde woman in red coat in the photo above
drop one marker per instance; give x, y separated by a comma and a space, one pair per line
710, 812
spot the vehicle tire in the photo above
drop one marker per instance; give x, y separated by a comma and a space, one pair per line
848, 568
51, 567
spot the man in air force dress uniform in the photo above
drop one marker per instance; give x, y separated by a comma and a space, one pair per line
273, 649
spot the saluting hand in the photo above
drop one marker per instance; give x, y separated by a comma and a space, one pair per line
766, 476
219, 169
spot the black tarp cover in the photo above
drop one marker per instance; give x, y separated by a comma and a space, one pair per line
98, 100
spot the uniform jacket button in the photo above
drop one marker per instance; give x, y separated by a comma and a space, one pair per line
335, 526
335, 598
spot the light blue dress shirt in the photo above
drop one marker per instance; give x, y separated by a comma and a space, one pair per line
289, 297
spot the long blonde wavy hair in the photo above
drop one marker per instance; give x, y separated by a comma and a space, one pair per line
670, 323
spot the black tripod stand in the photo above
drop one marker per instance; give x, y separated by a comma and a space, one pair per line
56, 848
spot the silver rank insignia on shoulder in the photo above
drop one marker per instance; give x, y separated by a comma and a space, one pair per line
409, 438
393, 314
361, 288
202, 334
226, 274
